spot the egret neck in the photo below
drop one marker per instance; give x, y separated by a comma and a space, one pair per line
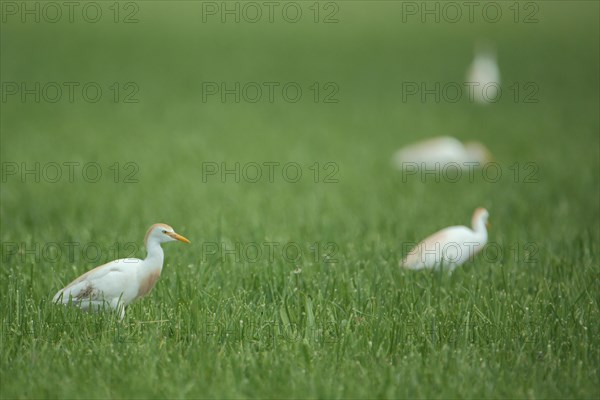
155, 255
479, 223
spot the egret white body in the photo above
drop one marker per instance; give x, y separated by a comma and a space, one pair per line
484, 75
451, 246
120, 282
442, 152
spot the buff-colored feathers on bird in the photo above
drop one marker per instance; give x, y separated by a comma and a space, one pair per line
484, 75
450, 247
441, 152
119, 283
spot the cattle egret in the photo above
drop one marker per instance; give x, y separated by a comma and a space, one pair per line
484, 75
451, 246
120, 282
442, 152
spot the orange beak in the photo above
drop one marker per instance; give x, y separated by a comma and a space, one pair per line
178, 237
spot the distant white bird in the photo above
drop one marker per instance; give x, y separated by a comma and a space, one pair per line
120, 282
441, 152
451, 246
484, 75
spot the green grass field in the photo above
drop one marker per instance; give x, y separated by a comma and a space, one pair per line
332, 315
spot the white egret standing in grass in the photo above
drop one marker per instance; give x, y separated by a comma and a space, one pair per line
451, 246
120, 282
484, 75
441, 152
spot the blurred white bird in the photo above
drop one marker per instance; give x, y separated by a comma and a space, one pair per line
440, 152
484, 75
451, 246
120, 282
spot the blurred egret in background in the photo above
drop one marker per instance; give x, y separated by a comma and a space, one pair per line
442, 152
484, 74
450, 247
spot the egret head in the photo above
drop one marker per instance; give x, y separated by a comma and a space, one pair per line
478, 152
480, 216
162, 233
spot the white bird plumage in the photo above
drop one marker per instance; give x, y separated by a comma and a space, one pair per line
441, 152
120, 282
484, 75
451, 246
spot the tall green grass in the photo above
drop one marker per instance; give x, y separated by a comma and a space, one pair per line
520, 321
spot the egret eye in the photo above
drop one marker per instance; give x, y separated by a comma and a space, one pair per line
164, 231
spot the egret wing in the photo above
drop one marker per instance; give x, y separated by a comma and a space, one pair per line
105, 282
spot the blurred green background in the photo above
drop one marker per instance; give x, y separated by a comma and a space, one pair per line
167, 58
